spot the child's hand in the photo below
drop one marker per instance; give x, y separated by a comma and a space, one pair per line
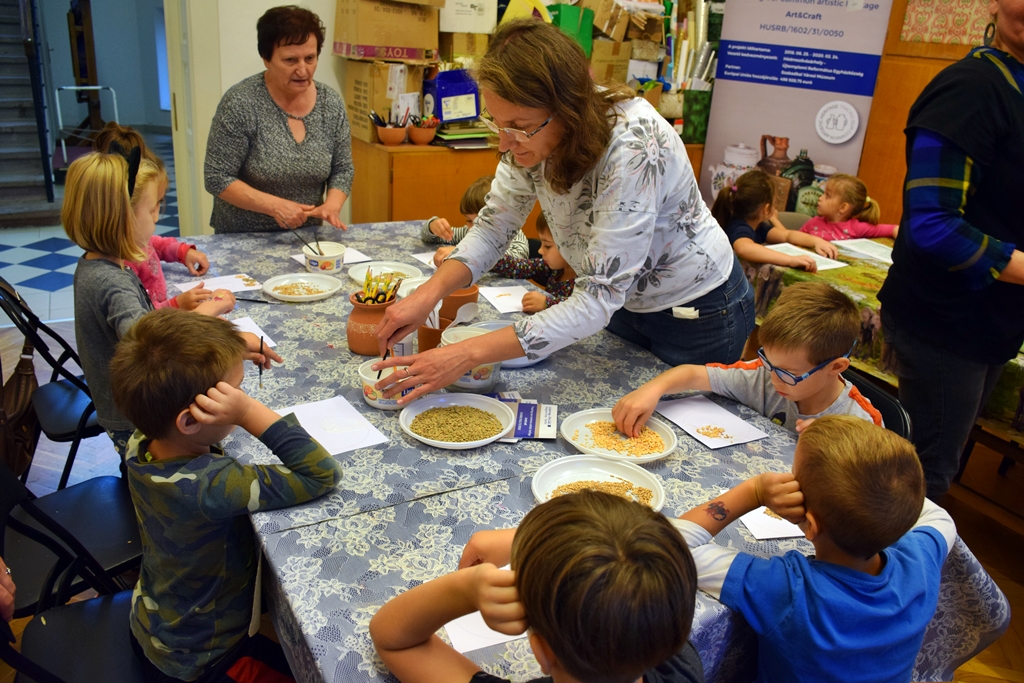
780, 492
498, 600
492, 545
221, 405
804, 262
220, 303
252, 342
196, 262
188, 301
634, 409
442, 228
534, 302
441, 254
825, 248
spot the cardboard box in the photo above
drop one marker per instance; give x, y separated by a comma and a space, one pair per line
653, 30
451, 96
463, 45
610, 18
610, 61
641, 69
381, 29
469, 16
576, 22
366, 88
647, 51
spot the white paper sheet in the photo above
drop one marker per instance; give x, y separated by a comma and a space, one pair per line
505, 299
793, 250
426, 258
249, 325
469, 633
763, 526
232, 283
699, 412
336, 425
864, 248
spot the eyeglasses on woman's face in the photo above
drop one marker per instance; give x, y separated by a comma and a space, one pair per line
788, 377
514, 133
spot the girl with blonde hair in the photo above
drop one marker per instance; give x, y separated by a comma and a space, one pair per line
846, 212
615, 184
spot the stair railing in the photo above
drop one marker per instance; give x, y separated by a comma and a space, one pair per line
30, 39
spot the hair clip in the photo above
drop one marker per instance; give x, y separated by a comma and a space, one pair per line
134, 157
734, 189
867, 200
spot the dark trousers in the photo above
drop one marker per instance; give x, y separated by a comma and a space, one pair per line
943, 393
717, 336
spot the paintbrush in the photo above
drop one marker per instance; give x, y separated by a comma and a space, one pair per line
384, 358
261, 362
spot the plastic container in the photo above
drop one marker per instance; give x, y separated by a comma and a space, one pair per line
370, 394
333, 252
480, 379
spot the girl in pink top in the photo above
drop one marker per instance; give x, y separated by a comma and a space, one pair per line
151, 274
845, 212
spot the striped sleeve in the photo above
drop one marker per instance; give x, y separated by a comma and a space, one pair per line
940, 178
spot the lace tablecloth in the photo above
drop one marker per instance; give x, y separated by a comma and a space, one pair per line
403, 511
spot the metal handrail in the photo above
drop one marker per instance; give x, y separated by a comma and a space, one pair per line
30, 40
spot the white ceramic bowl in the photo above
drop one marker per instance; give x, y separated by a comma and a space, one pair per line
370, 394
593, 468
331, 260
576, 425
480, 379
491, 326
495, 407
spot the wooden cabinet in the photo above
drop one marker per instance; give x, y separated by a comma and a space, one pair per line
411, 182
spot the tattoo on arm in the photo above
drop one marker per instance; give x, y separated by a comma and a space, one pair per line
717, 511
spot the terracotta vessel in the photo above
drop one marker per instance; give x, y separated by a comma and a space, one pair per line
361, 328
454, 301
430, 337
779, 160
421, 136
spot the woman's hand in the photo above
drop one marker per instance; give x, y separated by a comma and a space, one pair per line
442, 228
328, 212
196, 262
402, 319
534, 302
441, 254
825, 248
427, 371
288, 214
804, 262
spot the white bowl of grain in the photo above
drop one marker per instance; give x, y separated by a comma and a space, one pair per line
454, 432
327, 260
576, 472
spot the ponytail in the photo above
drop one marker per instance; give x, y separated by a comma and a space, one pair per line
871, 213
744, 198
854, 192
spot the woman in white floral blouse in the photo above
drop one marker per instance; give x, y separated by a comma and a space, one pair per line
618, 192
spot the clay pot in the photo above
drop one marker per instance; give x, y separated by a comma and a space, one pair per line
454, 301
391, 136
430, 337
361, 329
421, 136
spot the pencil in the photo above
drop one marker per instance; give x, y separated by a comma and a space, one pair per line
261, 363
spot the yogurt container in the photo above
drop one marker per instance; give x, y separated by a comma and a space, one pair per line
370, 394
329, 262
480, 379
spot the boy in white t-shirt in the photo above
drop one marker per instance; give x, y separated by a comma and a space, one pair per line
807, 339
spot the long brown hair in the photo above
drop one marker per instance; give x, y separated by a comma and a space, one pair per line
744, 199
533, 64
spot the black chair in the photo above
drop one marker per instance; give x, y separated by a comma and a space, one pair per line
62, 543
63, 405
895, 417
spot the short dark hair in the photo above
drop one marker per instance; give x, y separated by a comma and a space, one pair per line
165, 360
864, 483
542, 224
608, 583
475, 196
287, 25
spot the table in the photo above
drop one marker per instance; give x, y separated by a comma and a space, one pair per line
403, 512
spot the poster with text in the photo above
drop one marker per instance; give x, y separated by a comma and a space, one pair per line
792, 75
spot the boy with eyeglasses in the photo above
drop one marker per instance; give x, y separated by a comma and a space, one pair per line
807, 339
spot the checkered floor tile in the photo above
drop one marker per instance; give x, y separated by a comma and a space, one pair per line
40, 262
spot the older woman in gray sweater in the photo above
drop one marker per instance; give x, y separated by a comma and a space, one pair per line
279, 140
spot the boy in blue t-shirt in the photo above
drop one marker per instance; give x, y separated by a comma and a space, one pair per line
858, 609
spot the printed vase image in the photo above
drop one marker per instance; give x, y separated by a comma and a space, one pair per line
361, 329
738, 160
779, 160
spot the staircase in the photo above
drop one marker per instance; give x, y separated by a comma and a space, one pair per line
22, 183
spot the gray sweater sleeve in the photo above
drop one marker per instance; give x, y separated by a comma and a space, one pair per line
228, 145
342, 168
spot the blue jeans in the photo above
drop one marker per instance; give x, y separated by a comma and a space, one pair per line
726, 318
943, 393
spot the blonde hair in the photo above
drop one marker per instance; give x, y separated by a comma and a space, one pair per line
475, 196
533, 64
864, 483
747, 195
97, 212
128, 137
812, 316
854, 192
